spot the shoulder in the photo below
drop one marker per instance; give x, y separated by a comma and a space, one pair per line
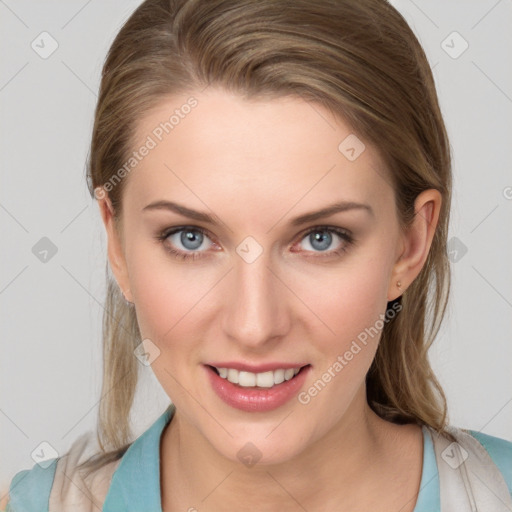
30, 489
60, 485
486, 456
500, 451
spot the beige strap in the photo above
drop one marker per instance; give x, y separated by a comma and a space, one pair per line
70, 490
469, 480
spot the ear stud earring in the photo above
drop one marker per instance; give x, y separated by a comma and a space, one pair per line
398, 284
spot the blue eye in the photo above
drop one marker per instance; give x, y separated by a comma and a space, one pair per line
191, 238
320, 238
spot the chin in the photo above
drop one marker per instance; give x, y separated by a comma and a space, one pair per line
261, 448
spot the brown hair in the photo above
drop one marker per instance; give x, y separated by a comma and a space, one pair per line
359, 59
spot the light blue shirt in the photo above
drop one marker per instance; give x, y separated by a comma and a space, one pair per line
135, 484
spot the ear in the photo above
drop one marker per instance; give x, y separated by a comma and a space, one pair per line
416, 242
115, 248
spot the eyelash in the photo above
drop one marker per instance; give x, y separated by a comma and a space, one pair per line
193, 255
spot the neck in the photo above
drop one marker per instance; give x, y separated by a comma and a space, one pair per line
338, 466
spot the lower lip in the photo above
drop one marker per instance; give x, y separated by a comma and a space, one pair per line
256, 399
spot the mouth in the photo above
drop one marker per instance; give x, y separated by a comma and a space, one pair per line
258, 392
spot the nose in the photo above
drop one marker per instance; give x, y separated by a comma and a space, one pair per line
255, 310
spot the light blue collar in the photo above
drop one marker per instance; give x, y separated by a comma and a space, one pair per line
429, 499
135, 485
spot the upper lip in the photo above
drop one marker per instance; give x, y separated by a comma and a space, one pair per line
255, 368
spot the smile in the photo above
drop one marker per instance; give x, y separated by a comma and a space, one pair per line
256, 391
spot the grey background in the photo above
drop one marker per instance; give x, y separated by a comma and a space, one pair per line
51, 311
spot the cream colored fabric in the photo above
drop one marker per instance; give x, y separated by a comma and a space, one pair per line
469, 481
70, 490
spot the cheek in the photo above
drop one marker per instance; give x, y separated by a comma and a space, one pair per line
166, 304
162, 291
353, 308
349, 301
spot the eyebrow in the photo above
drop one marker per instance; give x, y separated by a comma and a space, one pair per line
338, 207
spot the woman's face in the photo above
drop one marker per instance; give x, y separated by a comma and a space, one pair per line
257, 288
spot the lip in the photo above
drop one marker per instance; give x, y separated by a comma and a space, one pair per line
255, 399
260, 368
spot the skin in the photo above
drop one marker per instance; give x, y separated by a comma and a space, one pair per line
254, 165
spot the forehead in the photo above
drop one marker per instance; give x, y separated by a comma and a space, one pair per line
280, 151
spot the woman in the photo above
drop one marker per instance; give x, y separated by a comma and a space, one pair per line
274, 180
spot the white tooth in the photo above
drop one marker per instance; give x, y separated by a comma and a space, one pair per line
247, 379
278, 376
265, 379
262, 380
288, 374
233, 375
